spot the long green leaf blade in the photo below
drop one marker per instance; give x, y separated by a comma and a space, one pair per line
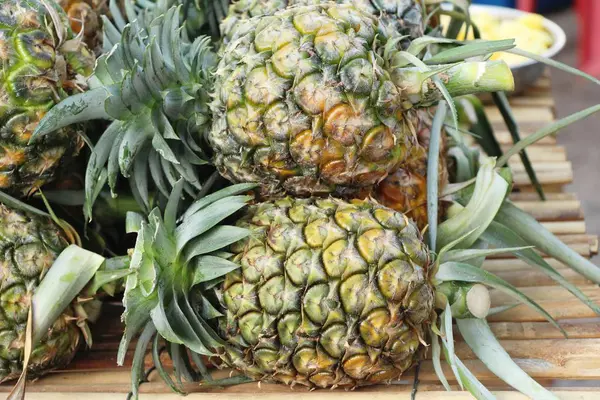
499, 235
221, 194
207, 218
503, 105
488, 195
473, 49
436, 357
547, 130
210, 267
77, 108
553, 63
433, 160
137, 368
161, 369
217, 238
534, 233
484, 344
470, 254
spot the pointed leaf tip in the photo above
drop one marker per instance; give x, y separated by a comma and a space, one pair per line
74, 109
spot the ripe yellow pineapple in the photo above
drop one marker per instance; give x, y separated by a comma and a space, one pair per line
406, 188
302, 106
329, 294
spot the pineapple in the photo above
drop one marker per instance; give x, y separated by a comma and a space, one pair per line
303, 107
406, 188
313, 100
30, 244
42, 63
319, 292
85, 19
329, 293
400, 16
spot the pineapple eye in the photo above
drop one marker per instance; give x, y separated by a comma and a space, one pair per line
34, 49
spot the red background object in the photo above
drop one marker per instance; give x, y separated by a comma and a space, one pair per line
526, 5
588, 12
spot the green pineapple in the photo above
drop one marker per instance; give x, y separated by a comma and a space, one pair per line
31, 244
42, 63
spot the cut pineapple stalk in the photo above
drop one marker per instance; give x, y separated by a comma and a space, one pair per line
467, 300
70, 273
461, 79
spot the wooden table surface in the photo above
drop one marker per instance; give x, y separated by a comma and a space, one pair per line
570, 366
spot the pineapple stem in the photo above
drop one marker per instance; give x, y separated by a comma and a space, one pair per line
478, 301
467, 300
418, 87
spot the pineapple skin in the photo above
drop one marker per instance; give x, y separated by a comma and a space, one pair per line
37, 72
405, 189
301, 108
329, 294
30, 244
401, 16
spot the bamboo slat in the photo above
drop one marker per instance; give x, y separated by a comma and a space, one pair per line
321, 395
537, 346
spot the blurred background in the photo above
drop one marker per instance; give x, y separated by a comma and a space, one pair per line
580, 19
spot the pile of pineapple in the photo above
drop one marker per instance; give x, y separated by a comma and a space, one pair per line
284, 187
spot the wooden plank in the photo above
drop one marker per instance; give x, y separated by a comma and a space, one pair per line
552, 177
550, 210
319, 395
504, 138
543, 166
576, 329
548, 189
556, 300
565, 227
524, 197
523, 115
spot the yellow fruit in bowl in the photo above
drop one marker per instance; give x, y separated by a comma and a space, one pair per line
528, 31
533, 21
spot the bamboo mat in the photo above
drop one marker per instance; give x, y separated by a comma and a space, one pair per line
570, 366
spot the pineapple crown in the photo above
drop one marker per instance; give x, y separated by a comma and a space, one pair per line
154, 85
202, 17
172, 256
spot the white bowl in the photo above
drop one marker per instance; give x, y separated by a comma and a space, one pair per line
527, 71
